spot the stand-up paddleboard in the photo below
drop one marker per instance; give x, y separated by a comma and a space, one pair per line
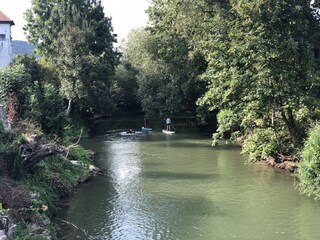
146, 129
168, 132
127, 133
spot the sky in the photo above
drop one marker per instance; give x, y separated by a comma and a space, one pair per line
125, 14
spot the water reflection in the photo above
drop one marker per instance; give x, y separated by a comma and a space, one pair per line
125, 214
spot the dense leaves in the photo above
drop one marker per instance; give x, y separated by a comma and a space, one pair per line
308, 171
264, 69
30, 92
15, 85
168, 76
76, 37
124, 89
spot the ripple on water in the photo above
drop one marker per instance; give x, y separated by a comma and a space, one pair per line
177, 188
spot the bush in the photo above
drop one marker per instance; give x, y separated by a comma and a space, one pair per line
15, 197
9, 150
228, 126
55, 177
47, 109
27, 231
309, 167
80, 154
261, 144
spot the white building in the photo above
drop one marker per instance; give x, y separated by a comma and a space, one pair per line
5, 40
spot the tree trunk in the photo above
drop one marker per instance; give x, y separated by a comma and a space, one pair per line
69, 107
33, 157
291, 125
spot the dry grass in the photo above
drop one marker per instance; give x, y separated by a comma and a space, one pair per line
15, 198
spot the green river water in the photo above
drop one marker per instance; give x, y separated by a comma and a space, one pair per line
157, 186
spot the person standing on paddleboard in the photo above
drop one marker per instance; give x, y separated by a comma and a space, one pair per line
168, 122
146, 121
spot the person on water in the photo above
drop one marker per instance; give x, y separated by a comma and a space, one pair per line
146, 121
168, 123
131, 131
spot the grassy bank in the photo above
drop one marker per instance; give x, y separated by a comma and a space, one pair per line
31, 201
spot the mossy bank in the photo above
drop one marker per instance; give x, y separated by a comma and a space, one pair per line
28, 202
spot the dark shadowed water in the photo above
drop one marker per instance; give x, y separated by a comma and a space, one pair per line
157, 186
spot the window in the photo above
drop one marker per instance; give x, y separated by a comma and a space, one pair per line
2, 37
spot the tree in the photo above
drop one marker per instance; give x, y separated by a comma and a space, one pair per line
72, 56
140, 51
124, 89
308, 171
167, 75
15, 86
40, 101
78, 37
264, 69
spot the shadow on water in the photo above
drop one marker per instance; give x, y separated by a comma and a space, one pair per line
178, 176
182, 144
153, 164
201, 206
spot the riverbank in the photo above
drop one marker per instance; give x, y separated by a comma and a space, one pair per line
289, 163
28, 206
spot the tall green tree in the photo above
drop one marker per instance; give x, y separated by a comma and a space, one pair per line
172, 26
37, 96
141, 52
77, 37
124, 89
265, 67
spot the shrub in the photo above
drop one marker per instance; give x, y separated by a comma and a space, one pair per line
27, 231
14, 197
55, 177
80, 154
261, 144
47, 109
228, 123
309, 167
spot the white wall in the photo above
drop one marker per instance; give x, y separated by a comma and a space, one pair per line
5, 45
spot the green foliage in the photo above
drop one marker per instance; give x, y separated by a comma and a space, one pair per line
23, 231
141, 52
28, 96
15, 84
262, 143
9, 149
228, 122
80, 154
261, 64
78, 40
309, 167
167, 75
56, 177
73, 131
124, 89
31, 67
48, 110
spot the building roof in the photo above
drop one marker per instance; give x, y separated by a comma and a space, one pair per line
4, 19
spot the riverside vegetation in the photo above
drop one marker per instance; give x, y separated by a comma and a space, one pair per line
252, 66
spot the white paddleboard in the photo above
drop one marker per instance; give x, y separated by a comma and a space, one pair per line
168, 132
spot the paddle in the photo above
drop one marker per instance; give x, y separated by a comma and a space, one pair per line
173, 127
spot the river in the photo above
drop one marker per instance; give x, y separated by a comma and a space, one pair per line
178, 187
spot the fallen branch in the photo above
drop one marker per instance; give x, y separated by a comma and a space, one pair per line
78, 228
74, 144
40, 153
